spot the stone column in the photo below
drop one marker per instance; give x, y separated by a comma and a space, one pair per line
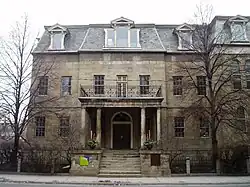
98, 126
83, 127
188, 165
143, 126
158, 124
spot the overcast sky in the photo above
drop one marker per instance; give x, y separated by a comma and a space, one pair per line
49, 12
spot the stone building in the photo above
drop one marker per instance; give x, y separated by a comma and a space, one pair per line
118, 83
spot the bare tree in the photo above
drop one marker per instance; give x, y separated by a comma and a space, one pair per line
19, 82
209, 74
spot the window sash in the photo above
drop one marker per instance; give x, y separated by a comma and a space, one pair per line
131, 38
43, 85
144, 84
179, 126
64, 126
99, 84
66, 85
40, 126
177, 85
204, 128
201, 85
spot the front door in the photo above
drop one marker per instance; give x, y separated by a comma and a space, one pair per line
121, 136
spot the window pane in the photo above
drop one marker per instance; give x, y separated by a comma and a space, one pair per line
110, 38
57, 39
185, 39
66, 86
99, 84
122, 37
133, 38
43, 86
247, 66
177, 85
238, 33
201, 85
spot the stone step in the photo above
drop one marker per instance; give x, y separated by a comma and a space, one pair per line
119, 171
120, 164
118, 175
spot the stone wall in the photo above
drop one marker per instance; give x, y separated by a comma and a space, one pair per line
148, 168
94, 163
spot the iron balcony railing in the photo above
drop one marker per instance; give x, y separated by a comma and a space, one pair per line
120, 91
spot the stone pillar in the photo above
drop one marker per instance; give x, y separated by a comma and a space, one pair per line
83, 127
98, 126
143, 126
188, 165
158, 124
248, 164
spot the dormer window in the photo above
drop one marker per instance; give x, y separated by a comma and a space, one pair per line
122, 34
57, 36
185, 36
238, 29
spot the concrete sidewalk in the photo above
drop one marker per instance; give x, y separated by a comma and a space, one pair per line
143, 180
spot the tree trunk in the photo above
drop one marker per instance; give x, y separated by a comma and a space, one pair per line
214, 150
15, 150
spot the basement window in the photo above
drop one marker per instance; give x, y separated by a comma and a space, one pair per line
155, 159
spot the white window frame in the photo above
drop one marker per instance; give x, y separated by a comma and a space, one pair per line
52, 40
129, 44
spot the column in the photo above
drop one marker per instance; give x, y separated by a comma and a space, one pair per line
83, 127
98, 126
158, 124
143, 124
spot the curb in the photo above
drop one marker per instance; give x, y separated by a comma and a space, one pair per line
119, 183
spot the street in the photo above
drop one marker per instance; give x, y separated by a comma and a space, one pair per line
69, 185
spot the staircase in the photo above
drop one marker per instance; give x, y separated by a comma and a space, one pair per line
120, 163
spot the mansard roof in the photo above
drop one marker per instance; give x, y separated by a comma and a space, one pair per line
153, 38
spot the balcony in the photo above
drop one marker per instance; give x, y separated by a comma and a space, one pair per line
121, 91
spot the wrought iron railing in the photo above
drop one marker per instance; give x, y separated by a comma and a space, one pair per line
120, 91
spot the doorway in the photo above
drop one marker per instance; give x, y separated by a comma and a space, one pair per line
121, 131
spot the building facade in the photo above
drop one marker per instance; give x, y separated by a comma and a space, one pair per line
119, 83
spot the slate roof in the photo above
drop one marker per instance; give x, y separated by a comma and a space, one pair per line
153, 38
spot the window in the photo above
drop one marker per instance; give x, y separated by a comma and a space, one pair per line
40, 126
235, 67
122, 37
177, 85
238, 29
43, 85
144, 84
57, 36
99, 84
201, 85
155, 159
247, 66
237, 82
66, 86
248, 81
185, 35
179, 126
64, 126
204, 127
122, 84
241, 119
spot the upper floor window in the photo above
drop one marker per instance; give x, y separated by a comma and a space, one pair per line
177, 85
238, 29
201, 85
57, 36
64, 126
204, 127
40, 125
43, 85
66, 85
179, 126
99, 84
122, 35
185, 35
144, 84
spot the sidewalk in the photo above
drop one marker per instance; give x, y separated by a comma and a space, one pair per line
127, 181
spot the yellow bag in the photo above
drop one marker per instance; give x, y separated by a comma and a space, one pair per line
83, 161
